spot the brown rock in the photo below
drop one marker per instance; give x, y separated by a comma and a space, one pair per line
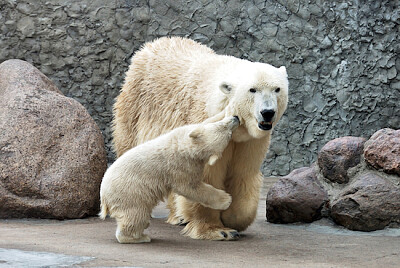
382, 150
338, 155
369, 203
52, 155
298, 197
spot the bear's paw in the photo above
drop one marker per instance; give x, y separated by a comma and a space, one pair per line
202, 230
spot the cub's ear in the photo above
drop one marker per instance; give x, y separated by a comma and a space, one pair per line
195, 133
213, 159
282, 70
225, 88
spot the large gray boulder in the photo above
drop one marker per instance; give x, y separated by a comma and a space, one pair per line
52, 155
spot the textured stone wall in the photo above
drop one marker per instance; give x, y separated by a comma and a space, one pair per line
342, 57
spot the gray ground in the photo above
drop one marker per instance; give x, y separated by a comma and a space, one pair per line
91, 243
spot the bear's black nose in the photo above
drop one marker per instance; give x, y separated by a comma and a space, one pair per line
267, 114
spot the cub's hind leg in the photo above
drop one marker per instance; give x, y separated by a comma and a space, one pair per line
131, 226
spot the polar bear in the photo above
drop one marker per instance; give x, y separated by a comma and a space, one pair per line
176, 81
173, 162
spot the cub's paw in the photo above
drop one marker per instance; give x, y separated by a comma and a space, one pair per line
222, 202
123, 239
207, 232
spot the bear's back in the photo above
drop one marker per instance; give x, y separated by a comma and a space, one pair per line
161, 91
175, 48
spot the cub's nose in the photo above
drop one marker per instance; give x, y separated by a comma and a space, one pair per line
267, 114
235, 122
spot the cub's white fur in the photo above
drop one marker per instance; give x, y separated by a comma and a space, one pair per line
173, 162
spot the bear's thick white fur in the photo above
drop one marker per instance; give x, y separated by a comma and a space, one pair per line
173, 162
175, 81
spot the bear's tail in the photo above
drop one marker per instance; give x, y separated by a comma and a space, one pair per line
103, 210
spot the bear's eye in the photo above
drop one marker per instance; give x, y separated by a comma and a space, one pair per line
252, 90
277, 89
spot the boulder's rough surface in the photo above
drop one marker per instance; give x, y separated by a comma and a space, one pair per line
52, 155
382, 151
297, 197
338, 155
370, 203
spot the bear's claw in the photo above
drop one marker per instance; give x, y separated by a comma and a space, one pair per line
231, 235
182, 222
235, 235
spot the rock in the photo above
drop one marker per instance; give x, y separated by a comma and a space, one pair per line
369, 203
297, 197
338, 155
363, 199
52, 155
382, 150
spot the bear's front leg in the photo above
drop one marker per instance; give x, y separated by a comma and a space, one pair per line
243, 209
204, 223
244, 184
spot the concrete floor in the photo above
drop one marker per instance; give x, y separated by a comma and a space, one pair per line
91, 243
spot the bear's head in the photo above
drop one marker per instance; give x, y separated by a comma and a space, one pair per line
257, 93
211, 139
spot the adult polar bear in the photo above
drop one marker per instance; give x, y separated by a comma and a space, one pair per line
175, 81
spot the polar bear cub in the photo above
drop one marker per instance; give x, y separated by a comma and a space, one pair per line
173, 162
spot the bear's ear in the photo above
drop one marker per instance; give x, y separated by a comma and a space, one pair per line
225, 88
195, 133
213, 159
282, 70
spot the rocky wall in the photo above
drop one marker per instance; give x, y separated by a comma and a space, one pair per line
341, 56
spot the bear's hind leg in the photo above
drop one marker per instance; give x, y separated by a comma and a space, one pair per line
198, 228
175, 214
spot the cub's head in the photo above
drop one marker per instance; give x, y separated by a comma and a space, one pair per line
258, 94
211, 139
